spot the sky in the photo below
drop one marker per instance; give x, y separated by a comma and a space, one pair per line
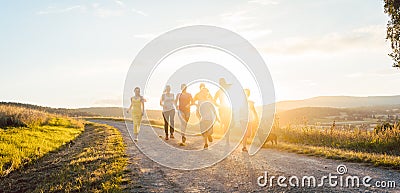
77, 53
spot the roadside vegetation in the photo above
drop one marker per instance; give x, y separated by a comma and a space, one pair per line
27, 134
44, 152
380, 146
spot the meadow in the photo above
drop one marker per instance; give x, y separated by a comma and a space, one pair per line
45, 152
28, 134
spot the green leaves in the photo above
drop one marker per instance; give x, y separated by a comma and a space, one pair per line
392, 8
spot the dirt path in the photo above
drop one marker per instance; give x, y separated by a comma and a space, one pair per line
239, 171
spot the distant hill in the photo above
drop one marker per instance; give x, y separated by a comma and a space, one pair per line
340, 102
84, 112
117, 112
103, 111
313, 115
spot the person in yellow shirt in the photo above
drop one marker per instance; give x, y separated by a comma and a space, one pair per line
137, 107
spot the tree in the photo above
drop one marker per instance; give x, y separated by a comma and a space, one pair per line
392, 8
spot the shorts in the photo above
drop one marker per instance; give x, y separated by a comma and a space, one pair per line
206, 127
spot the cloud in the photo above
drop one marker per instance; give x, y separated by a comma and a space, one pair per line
108, 102
102, 12
52, 10
355, 75
376, 74
242, 20
368, 37
264, 2
145, 36
120, 3
119, 8
139, 12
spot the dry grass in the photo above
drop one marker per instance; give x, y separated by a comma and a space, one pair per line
384, 142
26, 135
44, 152
13, 116
341, 154
94, 162
379, 148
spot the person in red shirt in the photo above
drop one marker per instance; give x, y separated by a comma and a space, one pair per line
183, 101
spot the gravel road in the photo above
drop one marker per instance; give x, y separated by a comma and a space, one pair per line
239, 171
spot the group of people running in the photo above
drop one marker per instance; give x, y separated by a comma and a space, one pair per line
205, 111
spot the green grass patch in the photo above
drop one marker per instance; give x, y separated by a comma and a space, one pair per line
95, 161
19, 146
28, 134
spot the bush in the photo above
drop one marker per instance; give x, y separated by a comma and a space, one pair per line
12, 116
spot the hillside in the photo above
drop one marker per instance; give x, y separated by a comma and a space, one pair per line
312, 115
60, 111
340, 102
118, 112
103, 111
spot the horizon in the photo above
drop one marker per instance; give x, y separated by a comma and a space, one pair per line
160, 108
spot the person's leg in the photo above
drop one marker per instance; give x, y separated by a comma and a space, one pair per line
210, 131
172, 122
183, 117
136, 127
225, 116
165, 124
203, 129
205, 141
244, 141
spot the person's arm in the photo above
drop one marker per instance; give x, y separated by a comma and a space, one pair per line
253, 109
177, 99
173, 96
143, 106
217, 94
216, 114
196, 98
191, 101
130, 107
162, 100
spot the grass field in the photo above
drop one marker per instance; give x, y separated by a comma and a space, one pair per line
44, 152
381, 148
95, 161
26, 135
382, 142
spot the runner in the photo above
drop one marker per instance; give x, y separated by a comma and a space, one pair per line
167, 102
183, 101
249, 122
224, 109
137, 107
208, 116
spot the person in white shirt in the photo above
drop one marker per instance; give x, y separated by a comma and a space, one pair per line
167, 101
